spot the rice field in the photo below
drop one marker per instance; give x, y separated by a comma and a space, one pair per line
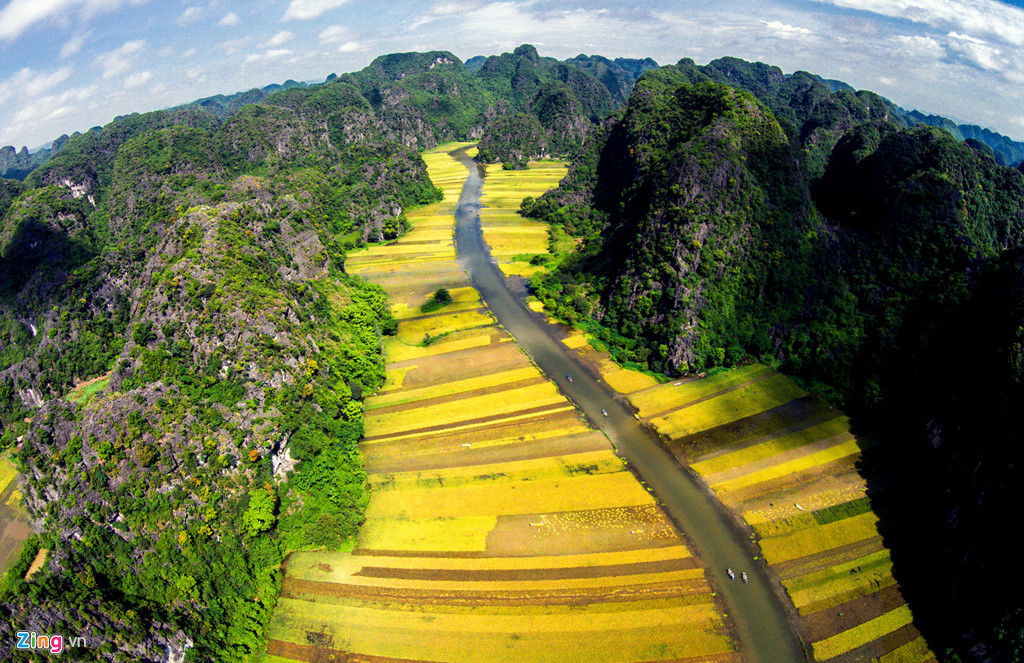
14, 527
787, 463
506, 232
500, 526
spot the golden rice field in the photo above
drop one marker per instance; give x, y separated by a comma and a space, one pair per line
787, 463
500, 526
506, 232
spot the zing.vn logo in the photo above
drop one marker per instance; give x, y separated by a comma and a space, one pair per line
51, 643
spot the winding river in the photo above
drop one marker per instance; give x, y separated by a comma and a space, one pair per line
763, 626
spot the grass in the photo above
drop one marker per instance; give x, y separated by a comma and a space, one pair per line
86, 391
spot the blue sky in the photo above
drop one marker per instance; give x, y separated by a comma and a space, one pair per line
67, 65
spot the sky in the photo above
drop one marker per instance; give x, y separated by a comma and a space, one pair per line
67, 65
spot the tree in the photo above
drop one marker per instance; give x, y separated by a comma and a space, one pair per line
260, 515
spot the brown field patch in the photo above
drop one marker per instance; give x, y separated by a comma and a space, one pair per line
597, 530
825, 623
560, 573
462, 364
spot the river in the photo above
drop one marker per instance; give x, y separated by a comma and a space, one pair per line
763, 626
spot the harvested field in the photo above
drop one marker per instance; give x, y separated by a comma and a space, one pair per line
500, 526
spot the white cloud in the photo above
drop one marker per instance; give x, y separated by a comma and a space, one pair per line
984, 16
189, 16
46, 108
73, 45
335, 34
349, 47
271, 54
189, 53
20, 15
232, 46
923, 47
231, 18
280, 38
785, 30
304, 10
885, 80
442, 10
137, 80
119, 60
28, 84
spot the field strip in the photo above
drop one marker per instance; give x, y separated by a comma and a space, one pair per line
449, 388
532, 602
697, 643
866, 632
601, 491
553, 407
355, 619
467, 533
672, 395
397, 351
508, 443
733, 405
915, 651
464, 410
805, 436
842, 449
562, 466
820, 539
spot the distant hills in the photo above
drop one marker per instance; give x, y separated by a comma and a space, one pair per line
617, 76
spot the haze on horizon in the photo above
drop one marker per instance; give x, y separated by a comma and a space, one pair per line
67, 65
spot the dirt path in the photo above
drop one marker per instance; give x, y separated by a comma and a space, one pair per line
763, 617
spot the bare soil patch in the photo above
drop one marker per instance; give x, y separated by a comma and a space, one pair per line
575, 532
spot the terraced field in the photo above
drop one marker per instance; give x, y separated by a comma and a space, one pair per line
787, 463
505, 231
500, 526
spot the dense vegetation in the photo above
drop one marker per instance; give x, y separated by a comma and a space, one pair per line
196, 267
880, 263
